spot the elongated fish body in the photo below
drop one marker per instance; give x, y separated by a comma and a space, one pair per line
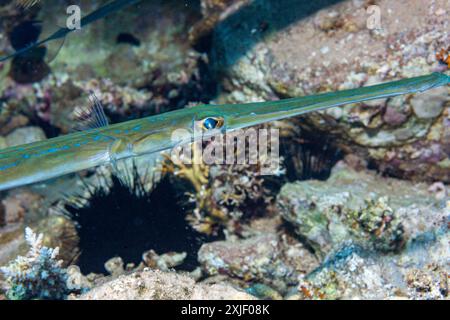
54, 157
21, 165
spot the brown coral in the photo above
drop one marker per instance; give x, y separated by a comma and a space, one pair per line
224, 195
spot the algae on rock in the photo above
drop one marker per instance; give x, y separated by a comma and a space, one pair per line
379, 213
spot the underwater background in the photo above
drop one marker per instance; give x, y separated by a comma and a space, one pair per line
359, 210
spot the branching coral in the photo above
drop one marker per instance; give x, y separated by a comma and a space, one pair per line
38, 275
223, 194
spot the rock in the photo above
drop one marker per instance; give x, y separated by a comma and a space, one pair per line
13, 122
378, 213
17, 204
247, 259
25, 135
220, 292
12, 243
396, 112
32, 207
2, 216
160, 28
263, 291
158, 285
430, 104
115, 266
163, 262
3, 143
256, 259
420, 272
428, 283
319, 47
76, 280
213, 12
13, 212
347, 274
59, 231
439, 190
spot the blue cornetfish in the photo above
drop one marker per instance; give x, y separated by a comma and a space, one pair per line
39, 161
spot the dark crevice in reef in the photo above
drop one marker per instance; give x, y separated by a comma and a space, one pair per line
290, 229
50, 130
120, 223
372, 165
311, 156
128, 38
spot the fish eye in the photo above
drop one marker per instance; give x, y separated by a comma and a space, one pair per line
211, 123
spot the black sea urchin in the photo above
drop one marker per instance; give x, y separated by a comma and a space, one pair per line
126, 220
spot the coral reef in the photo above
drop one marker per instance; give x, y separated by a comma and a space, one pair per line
38, 275
355, 236
317, 48
162, 229
352, 273
380, 213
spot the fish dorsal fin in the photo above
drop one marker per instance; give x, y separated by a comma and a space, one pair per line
91, 117
26, 4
